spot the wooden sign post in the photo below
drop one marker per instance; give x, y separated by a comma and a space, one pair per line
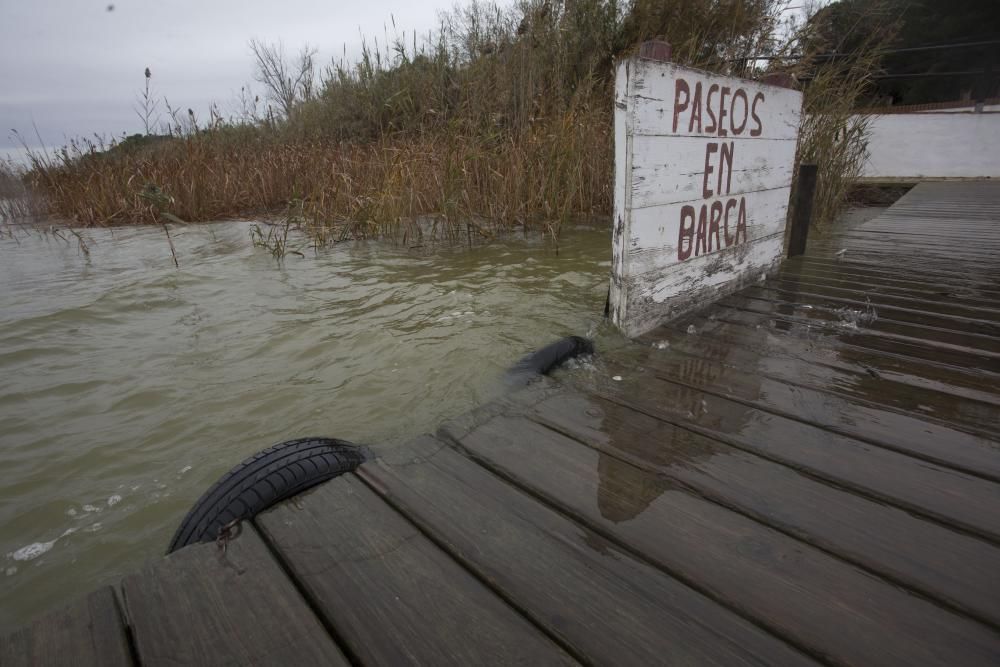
703, 174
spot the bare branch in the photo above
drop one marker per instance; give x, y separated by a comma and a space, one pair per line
287, 84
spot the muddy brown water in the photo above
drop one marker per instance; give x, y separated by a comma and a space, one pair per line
128, 386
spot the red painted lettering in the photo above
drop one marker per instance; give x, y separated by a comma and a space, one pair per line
710, 148
695, 109
731, 204
713, 225
759, 97
740, 94
726, 167
714, 88
685, 238
701, 239
741, 220
722, 110
681, 87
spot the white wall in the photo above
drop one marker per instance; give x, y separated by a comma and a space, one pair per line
965, 109
934, 145
703, 171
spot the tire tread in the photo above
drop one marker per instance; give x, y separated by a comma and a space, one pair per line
265, 479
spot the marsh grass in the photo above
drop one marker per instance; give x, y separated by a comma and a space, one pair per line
499, 121
833, 135
276, 240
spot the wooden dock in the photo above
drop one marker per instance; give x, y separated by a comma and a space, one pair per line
805, 472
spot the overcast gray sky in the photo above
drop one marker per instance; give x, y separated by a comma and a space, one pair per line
73, 68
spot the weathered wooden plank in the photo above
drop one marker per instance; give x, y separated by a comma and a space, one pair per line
907, 434
913, 246
89, 632
204, 605
609, 607
985, 349
931, 217
394, 597
888, 283
618, 290
968, 360
929, 223
948, 495
933, 315
848, 292
812, 383
687, 190
839, 611
745, 334
858, 529
885, 268
911, 229
655, 231
923, 292
658, 294
668, 170
984, 330
889, 254
921, 240
657, 96
945, 273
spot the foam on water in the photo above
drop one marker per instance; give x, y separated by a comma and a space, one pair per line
120, 370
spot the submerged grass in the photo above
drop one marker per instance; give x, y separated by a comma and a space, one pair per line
500, 120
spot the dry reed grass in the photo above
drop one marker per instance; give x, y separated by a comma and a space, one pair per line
833, 135
500, 120
348, 190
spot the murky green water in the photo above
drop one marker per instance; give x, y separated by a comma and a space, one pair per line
128, 386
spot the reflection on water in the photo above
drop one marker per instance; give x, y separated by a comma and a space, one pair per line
129, 386
626, 440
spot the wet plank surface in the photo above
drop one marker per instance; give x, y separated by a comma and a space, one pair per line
90, 632
807, 472
205, 605
791, 588
606, 605
859, 529
370, 571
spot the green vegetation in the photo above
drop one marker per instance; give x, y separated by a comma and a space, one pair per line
499, 120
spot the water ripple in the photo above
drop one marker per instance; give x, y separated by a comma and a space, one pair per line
128, 386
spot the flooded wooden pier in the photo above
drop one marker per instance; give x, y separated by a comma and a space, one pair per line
807, 471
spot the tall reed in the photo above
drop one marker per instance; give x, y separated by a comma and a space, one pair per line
833, 135
498, 120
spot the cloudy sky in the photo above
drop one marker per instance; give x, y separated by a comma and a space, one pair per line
73, 68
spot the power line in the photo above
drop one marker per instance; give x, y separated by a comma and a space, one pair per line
929, 74
830, 56
913, 76
946, 46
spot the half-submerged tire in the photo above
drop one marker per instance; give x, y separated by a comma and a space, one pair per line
548, 359
275, 474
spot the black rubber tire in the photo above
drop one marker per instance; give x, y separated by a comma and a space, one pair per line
275, 474
547, 359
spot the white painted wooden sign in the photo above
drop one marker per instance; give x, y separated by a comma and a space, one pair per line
703, 174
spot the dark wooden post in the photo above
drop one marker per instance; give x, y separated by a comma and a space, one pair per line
656, 50
805, 191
